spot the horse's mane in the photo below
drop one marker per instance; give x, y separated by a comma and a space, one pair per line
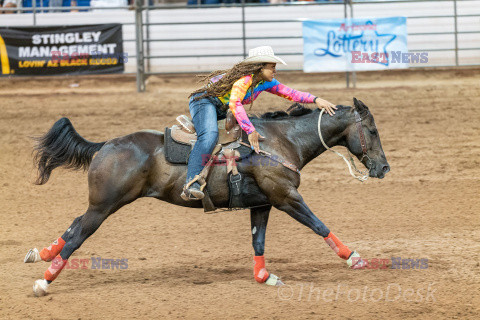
295, 110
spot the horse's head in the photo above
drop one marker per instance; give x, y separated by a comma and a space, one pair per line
363, 140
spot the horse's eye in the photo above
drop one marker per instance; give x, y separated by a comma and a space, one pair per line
373, 132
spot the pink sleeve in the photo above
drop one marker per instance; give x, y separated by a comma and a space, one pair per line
239, 90
291, 94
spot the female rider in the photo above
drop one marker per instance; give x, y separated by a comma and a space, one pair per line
232, 89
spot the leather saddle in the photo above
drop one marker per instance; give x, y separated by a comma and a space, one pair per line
180, 139
228, 130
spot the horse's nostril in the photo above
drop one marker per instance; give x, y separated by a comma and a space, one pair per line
386, 169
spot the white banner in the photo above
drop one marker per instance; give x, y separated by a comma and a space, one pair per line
357, 45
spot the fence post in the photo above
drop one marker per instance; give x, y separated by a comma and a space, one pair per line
34, 3
139, 46
147, 23
244, 35
347, 75
354, 73
456, 31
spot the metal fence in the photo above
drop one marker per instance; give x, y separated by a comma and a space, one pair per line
350, 8
144, 55
153, 50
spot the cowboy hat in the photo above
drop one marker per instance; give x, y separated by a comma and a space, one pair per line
262, 54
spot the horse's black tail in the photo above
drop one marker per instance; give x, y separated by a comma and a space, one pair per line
62, 146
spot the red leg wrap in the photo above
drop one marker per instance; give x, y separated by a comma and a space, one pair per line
54, 270
259, 270
340, 249
47, 254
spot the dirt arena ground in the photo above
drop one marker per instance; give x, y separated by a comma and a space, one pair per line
185, 264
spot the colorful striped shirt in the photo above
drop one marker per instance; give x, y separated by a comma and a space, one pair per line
240, 95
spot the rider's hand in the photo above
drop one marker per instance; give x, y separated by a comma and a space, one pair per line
324, 104
253, 139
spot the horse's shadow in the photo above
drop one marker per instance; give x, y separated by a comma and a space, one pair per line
188, 275
163, 275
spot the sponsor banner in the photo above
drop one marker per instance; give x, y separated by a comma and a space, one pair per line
356, 45
85, 49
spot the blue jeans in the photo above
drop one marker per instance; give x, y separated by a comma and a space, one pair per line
204, 115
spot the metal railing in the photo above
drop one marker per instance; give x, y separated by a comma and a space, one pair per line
144, 55
34, 10
144, 39
455, 17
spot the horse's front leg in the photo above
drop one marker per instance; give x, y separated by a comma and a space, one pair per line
259, 220
292, 203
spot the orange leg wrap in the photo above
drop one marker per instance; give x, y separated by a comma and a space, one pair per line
54, 270
340, 249
259, 270
47, 254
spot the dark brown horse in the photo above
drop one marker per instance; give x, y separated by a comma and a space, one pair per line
134, 166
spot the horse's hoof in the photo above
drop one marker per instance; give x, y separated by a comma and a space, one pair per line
32, 256
361, 264
356, 262
273, 280
40, 288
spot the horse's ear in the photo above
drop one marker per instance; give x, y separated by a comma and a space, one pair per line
356, 105
359, 105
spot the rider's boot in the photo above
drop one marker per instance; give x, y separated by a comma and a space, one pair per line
193, 190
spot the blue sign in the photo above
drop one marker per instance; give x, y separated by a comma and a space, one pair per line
356, 44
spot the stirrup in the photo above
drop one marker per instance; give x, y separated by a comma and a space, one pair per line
189, 194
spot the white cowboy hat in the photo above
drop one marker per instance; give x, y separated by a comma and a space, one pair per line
262, 54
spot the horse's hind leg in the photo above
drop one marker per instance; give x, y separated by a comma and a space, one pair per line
49, 253
83, 227
259, 220
111, 187
59, 252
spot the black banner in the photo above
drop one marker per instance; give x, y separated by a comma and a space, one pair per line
86, 49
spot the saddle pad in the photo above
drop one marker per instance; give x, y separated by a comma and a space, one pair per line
176, 152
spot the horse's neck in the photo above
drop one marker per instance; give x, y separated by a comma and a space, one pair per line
311, 146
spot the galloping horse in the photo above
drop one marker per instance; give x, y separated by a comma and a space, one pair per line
133, 166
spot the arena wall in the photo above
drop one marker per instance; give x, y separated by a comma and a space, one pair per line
291, 48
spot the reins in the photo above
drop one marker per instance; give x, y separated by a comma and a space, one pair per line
287, 164
363, 175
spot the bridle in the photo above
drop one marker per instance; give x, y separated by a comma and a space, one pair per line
358, 121
363, 143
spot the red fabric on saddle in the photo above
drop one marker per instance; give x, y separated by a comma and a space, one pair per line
259, 271
47, 254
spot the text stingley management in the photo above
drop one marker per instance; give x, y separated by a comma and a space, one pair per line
68, 43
